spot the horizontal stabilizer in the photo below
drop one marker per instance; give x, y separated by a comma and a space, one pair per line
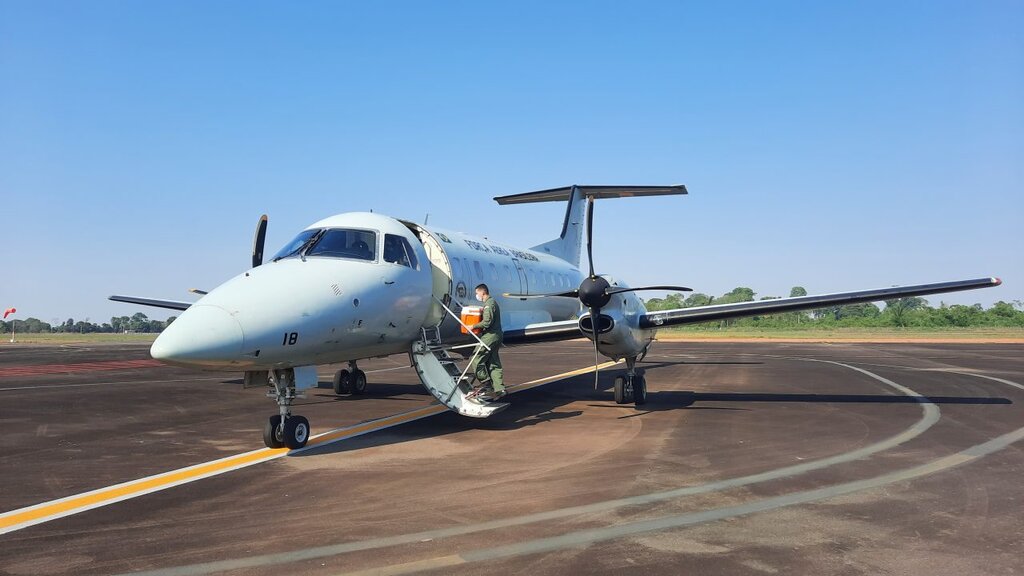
173, 305
564, 193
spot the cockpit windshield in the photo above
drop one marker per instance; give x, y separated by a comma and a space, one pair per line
296, 245
346, 243
332, 243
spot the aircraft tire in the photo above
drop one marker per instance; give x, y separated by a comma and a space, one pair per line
296, 432
639, 390
620, 390
342, 379
358, 382
272, 432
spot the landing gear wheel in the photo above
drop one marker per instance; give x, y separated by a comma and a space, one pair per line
342, 382
623, 390
272, 432
620, 384
358, 381
296, 432
639, 390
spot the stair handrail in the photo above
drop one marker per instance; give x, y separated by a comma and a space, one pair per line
461, 323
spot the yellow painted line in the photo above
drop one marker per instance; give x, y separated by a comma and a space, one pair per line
54, 509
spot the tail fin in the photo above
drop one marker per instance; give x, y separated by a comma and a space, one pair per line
568, 245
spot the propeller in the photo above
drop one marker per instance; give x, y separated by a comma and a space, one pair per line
258, 240
595, 292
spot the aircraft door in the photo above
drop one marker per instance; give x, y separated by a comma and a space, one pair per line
441, 274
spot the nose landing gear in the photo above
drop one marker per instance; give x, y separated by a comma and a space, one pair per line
285, 429
631, 387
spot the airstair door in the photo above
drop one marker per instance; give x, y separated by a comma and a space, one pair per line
442, 377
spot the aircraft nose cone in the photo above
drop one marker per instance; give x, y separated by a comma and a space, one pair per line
204, 336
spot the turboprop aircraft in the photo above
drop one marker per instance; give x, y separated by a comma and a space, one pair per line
363, 285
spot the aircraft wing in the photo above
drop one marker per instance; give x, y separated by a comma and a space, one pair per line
741, 309
544, 332
172, 304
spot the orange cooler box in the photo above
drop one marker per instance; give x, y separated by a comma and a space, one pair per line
471, 315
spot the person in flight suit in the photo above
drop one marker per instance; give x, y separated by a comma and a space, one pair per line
487, 365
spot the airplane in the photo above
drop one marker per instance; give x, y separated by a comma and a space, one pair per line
363, 285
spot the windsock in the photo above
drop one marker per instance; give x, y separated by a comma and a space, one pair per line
9, 311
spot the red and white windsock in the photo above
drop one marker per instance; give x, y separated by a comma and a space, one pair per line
9, 311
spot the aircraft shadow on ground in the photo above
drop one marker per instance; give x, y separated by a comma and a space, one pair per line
663, 363
527, 408
539, 405
324, 392
674, 399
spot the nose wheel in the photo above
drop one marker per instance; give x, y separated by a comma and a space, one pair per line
285, 430
632, 386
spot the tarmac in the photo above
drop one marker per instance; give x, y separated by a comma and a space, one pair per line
749, 458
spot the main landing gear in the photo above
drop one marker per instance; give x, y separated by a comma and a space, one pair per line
285, 429
351, 381
631, 387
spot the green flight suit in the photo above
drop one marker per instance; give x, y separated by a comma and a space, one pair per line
487, 364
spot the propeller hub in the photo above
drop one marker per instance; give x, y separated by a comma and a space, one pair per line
594, 292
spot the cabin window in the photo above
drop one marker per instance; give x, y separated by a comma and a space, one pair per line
398, 251
494, 272
344, 243
456, 268
508, 273
479, 270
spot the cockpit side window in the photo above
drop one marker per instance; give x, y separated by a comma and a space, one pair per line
296, 245
346, 243
398, 251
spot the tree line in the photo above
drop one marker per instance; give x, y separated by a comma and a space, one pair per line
138, 322
900, 312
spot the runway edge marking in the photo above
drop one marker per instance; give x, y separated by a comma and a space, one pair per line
47, 511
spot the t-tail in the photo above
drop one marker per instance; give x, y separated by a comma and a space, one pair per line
568, 245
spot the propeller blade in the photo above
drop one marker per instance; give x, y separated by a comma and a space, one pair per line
198, 291
258, 241
594, 315
675, 288
590, 234
569, 294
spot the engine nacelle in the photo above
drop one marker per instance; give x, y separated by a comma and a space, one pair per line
618, 326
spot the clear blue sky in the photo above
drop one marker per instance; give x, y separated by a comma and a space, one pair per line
835, 145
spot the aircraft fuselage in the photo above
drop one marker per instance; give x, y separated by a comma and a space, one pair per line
339, 305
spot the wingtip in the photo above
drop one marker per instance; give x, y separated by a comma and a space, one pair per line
996, 281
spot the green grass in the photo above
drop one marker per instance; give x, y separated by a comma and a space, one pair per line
73, 338
818, 333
